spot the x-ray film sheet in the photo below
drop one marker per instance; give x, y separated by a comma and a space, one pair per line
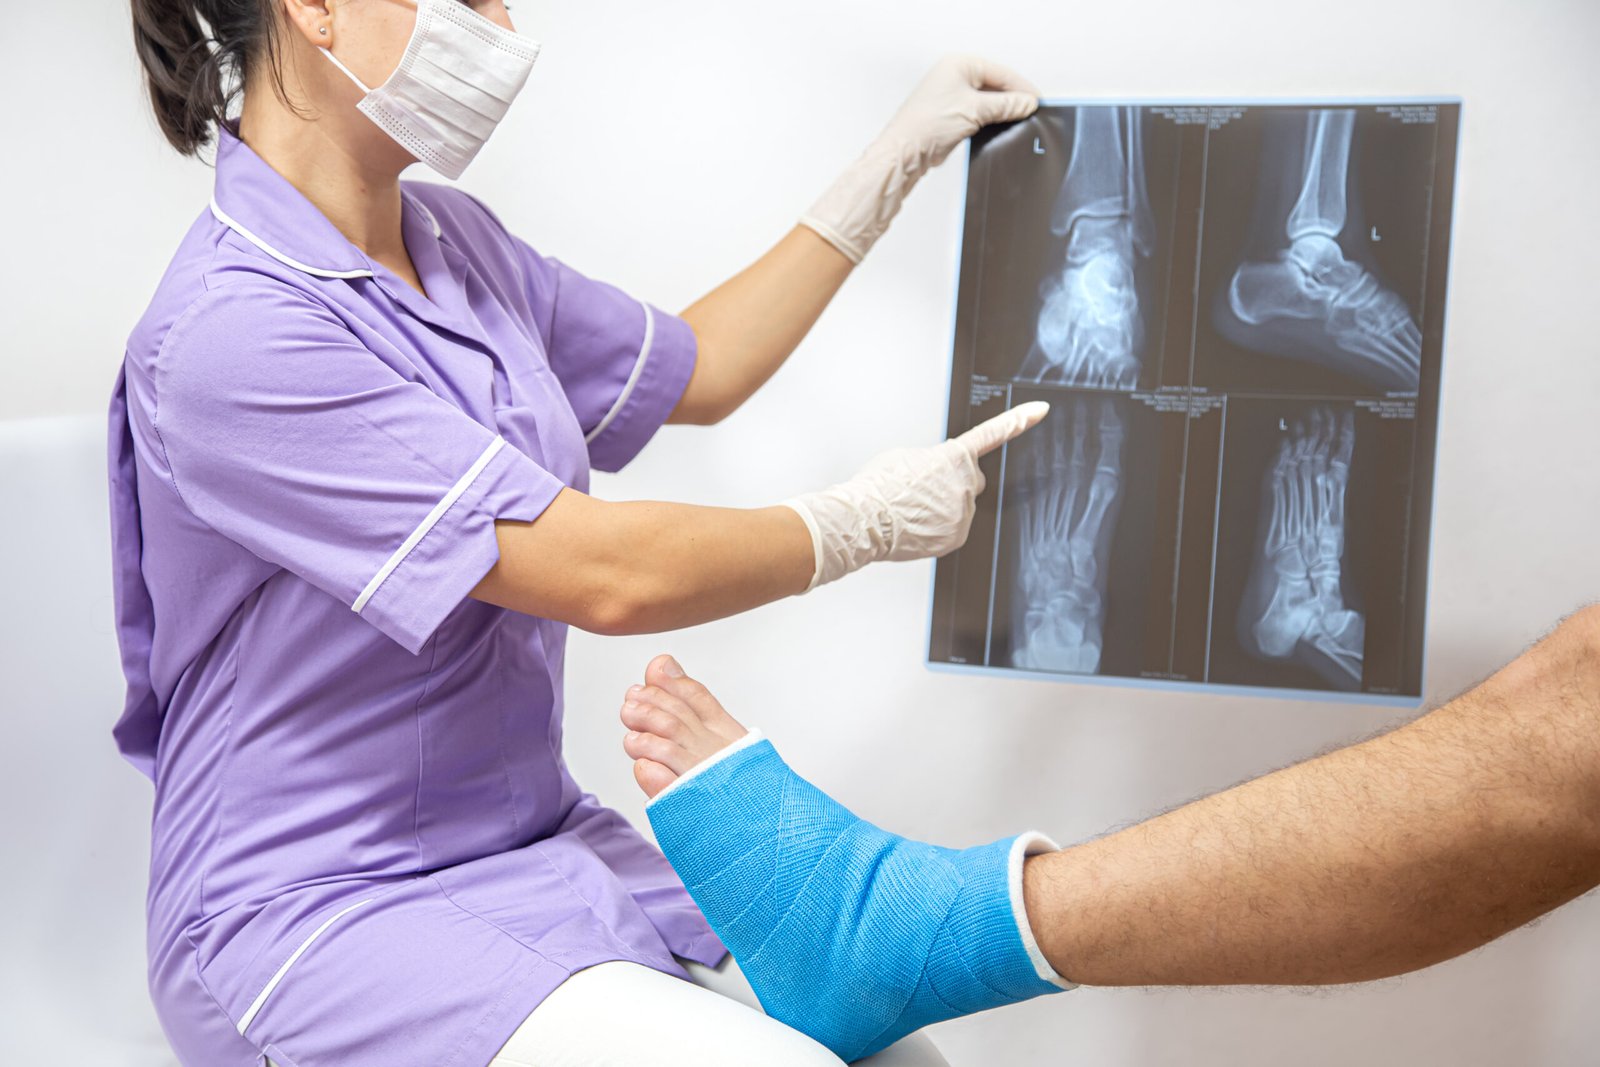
1236, 311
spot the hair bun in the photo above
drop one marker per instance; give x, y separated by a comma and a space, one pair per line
197, 56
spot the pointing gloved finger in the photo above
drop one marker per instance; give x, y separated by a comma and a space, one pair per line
986, 437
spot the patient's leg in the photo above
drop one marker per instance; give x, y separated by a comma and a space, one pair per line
1311, 302
1089, 330
847, 933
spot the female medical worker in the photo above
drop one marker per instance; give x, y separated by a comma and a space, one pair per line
350, 448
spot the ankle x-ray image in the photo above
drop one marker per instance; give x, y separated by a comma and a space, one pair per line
1089, 328
1236, 311
1311, 299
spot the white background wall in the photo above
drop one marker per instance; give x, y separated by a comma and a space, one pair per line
662, 146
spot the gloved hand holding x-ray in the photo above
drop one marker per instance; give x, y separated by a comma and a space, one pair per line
960, 96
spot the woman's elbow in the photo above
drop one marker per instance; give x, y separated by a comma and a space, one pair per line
625, 608
609, 618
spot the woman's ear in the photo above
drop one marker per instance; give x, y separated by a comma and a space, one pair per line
312, 19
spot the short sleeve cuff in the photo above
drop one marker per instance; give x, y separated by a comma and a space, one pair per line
666, 363
447, 555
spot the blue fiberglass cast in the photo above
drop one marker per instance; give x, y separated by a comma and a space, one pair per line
847, 933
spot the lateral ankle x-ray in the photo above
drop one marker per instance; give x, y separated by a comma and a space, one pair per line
1236, 311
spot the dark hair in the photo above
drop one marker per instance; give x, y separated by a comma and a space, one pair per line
198, 55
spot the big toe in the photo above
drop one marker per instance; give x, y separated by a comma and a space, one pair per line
663, 669
667, 674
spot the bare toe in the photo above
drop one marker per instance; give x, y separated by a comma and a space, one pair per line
652, 777
664, 673
647, 746
653, 711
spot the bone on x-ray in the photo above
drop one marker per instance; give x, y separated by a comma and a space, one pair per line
1236, 313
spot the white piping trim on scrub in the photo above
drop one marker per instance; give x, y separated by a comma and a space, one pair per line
288, 261
438, 231
421, 531
633, 379
261, 998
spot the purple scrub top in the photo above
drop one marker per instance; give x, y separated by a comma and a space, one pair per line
367, 849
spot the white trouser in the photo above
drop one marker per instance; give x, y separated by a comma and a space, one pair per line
625, 1015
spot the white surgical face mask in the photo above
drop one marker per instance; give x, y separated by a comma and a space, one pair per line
454, 83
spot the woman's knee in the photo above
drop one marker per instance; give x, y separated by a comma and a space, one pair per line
622, 1014
729, 981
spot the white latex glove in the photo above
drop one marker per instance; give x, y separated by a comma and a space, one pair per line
959, 97
908, 503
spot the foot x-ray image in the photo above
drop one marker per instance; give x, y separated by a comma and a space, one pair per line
1067, 504
1237, 312
1294, 605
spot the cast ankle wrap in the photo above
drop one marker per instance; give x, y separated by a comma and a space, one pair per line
846, 932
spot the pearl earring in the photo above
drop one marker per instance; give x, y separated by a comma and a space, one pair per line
323, 30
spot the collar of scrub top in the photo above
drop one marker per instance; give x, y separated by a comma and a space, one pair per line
263, 208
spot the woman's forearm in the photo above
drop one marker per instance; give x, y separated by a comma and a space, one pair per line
748, 326
1372, 861
643, 567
